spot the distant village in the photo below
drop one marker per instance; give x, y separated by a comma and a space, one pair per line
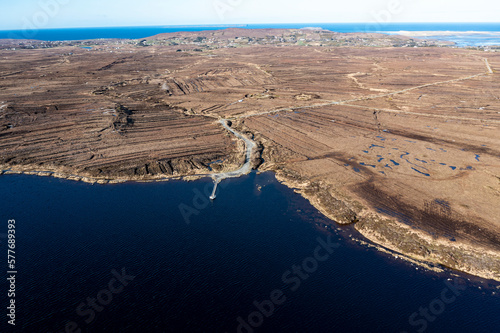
319, 38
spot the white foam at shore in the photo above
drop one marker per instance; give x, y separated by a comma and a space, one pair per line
441, 33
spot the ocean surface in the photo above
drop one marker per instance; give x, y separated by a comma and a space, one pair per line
488, 36
160, 257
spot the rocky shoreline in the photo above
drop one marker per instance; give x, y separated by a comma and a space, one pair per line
388, 235
396, 236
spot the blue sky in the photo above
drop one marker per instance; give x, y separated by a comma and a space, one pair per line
22, 14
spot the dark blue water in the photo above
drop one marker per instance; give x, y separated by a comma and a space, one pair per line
141, 32
203, 276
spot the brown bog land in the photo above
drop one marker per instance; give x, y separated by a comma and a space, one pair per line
402, 141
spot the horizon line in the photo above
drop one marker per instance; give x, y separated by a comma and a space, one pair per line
231, 25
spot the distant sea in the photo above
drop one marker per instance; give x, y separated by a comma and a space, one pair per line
464, 34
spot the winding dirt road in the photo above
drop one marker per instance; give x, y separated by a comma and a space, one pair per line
245, 168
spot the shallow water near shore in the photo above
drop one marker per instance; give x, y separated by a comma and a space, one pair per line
200, 265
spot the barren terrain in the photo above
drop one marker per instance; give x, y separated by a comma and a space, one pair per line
402, 141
